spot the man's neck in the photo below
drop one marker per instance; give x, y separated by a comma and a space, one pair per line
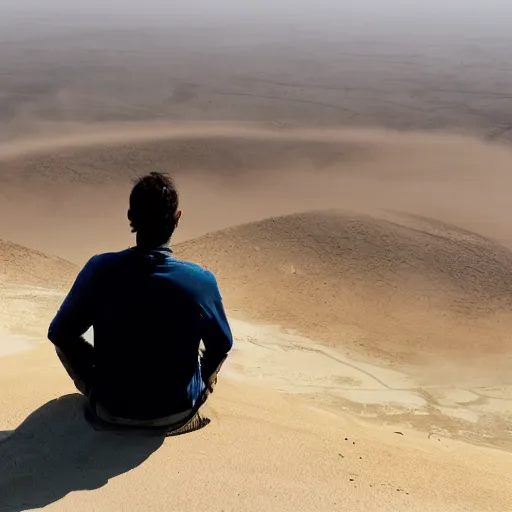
148, 244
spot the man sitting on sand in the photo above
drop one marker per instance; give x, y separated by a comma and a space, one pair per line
149, 312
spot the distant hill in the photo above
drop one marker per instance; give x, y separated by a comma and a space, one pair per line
398, 288
22, 266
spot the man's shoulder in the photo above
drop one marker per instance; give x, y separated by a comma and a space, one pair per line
190, 276
107, 257
195, 278
194, 270
104, 260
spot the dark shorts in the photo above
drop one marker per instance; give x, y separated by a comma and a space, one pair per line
82, 375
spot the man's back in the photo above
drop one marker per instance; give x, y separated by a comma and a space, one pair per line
149, 312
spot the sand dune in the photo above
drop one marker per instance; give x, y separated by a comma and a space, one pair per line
77, 182
401, 288
32, 286
56, 137
26, 267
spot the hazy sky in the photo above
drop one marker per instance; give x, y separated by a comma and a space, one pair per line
240, 6
466, 16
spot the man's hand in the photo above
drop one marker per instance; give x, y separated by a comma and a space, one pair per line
210, 381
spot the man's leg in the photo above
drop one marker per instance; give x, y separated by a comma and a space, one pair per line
210, 383
79, 369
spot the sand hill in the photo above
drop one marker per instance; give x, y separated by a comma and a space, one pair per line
32, 286
400, 288
26, 267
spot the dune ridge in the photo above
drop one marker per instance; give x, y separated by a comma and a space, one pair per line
28, 267
51, 137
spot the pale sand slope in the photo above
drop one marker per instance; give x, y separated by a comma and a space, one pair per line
32, 285
462, 406
263, 451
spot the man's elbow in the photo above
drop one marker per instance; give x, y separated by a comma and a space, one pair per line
219, 347
55, 333
51, 332
225, 345
229, 343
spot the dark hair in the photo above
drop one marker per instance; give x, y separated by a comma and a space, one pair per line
153, 207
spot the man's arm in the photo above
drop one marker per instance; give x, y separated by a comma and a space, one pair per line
217, 338
75, 317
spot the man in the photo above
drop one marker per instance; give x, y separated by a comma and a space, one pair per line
149, 312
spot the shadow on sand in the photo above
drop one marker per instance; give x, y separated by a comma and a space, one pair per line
55, 451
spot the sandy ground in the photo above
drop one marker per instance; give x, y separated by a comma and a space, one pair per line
298, 457
350, 190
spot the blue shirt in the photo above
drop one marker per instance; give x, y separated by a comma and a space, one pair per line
149, 312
